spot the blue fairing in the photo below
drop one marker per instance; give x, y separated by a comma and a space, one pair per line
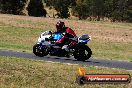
57, 36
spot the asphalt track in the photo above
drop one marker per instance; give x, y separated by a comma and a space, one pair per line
94, 62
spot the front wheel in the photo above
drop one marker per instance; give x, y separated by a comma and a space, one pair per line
39, 50
82, 53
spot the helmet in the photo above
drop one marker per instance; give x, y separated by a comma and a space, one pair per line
59, 26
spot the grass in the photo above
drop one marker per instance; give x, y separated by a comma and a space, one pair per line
109, 40
26, 73
111, 50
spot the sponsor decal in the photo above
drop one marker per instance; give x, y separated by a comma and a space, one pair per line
84, 78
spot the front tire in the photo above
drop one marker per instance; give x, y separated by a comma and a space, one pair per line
82, 53
39, 51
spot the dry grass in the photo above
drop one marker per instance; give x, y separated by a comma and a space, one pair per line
24, 73
109, 40
105, 31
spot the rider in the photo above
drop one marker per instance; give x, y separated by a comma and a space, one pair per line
67, 32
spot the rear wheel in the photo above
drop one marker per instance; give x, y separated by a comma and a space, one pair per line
40, 51
82, 53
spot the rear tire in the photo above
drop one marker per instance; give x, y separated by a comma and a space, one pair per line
39, 52
82, 53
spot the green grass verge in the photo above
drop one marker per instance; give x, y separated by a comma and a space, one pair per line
109, 50
26, 73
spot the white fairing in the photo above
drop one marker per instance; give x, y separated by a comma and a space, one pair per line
43, 36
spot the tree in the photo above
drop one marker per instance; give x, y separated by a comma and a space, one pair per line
61, 6
98, 9
89, 8
81, 9
119, 10
12, 6
129, 11
36, 8
108, 8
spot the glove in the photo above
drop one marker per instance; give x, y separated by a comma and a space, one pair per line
50, 32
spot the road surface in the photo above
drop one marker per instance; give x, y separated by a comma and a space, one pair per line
94, 62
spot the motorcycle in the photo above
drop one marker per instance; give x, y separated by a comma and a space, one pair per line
79, 49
